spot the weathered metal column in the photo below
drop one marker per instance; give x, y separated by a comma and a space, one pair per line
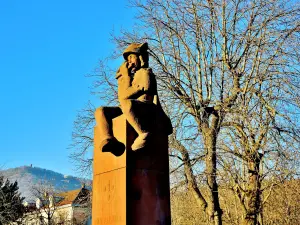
131, 189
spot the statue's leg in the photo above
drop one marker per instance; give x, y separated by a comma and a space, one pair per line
132, 118
104, 117
138, 115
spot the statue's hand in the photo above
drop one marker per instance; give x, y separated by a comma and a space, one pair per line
142, 80
137, 86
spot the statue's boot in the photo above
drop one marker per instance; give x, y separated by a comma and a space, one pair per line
140, 141
111, 144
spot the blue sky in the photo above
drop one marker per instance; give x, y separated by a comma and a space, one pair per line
46, 49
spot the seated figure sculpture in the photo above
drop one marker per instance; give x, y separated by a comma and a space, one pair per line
137, 94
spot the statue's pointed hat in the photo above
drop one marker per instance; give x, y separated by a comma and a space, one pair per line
135, 48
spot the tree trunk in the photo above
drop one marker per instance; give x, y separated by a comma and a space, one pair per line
191, 180
213, 210
192, 184
253, 200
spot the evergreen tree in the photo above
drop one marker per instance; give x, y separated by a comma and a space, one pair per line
11, 207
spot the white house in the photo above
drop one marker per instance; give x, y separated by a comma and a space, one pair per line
65, 208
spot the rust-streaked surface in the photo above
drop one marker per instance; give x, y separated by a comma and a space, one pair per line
104, 161
148, 198
109, 201
131, 189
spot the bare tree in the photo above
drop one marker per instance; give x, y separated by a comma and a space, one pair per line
208, 55
82, 140
212, 59
256, 156
46, 206
283, 205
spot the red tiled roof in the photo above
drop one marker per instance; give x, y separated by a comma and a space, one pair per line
68, 197
65, 198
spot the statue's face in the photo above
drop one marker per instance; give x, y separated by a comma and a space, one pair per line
134, 62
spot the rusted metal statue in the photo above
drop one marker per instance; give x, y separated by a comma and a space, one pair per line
137, 94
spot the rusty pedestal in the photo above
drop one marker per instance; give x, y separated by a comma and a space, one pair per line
132, 189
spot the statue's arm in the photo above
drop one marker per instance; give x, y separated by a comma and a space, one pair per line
125, 90
144, 79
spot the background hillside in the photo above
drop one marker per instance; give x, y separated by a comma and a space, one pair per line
28, 177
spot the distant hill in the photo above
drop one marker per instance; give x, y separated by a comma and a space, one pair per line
28, 176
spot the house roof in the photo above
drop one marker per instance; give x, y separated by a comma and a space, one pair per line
78, 196
68, 197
